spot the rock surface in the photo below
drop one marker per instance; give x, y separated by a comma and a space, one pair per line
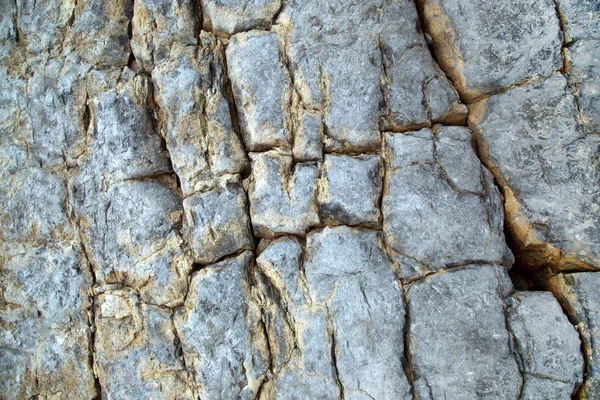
319, 199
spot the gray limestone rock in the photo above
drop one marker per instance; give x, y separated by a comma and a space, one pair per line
194, 115
45, 339
350, 190
548, 170
159, 25
282, 197
216, 223
488, 46
548, 344
261, 86
351, 276
136, 353
457, 337
581, 19
440, 206
215, 327
584, 78
231, 16
578, 294
346, 59
308, 144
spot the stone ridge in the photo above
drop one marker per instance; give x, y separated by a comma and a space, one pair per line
285, 199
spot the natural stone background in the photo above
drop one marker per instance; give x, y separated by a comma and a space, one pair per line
286, 199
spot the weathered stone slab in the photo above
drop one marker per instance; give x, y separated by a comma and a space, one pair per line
350, 190
458, 339
487, 46
231, 16
584, 79
548, 344
282, 198
136, 352
261, 86
440, 206
548, 170
581, 19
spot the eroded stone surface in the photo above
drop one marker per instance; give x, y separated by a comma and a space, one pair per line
440, 206
282, 197
484, 47
548, 170
136, 349
350, 190
548, 344
217, 223
578, 294
215, 328
584, 78
231, 16
581, 19
261, 86
45, 339
458, 339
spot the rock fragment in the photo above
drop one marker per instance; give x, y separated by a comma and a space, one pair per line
548, 344
350, 190
282, 197
308, 144
440, 206
485, 47
548, 171
458, 340
158, 26
581, 19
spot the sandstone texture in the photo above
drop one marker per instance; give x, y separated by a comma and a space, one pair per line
285, 199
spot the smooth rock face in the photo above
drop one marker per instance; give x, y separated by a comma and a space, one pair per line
548, 344
549, 170
485, 47
458, 339
285, 199
350, 190
440, 207
578, 294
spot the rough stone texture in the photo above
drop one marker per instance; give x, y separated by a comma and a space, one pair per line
584, 78
578, 294
261, 88
488, 46
350, 190
136, 349
581, 19
440, 206
548, 344
45, 339
454, 354
548, 170
195, 115
215, 328
216, 223
234, 199
282, 197
231, 16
